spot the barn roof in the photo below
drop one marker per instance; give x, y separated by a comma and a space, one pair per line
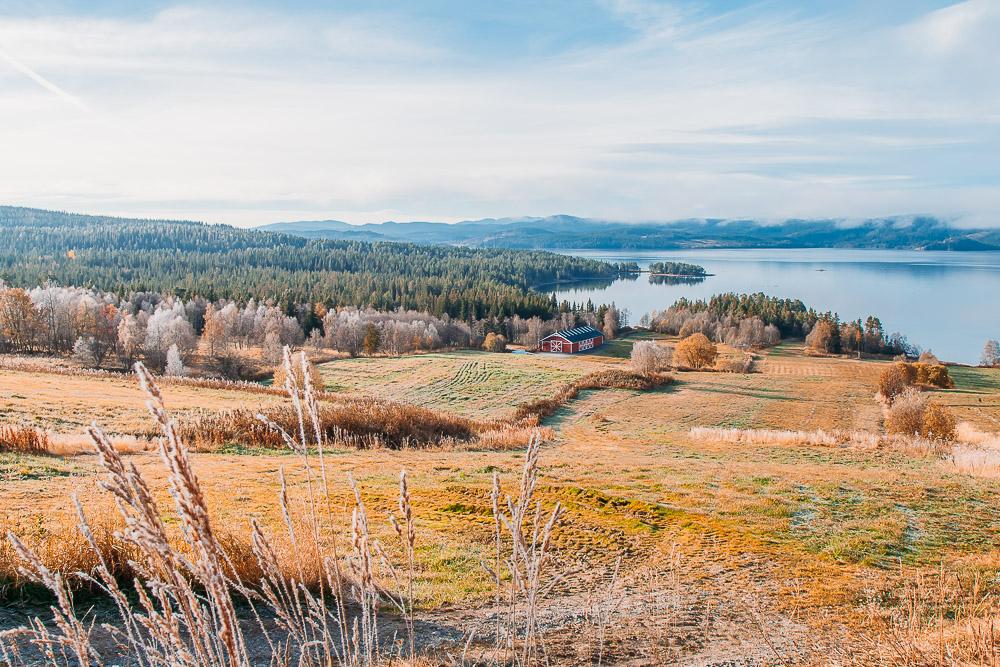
577, 334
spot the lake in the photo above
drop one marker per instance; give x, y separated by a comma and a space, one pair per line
947, 302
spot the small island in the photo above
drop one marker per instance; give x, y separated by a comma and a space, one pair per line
677, 270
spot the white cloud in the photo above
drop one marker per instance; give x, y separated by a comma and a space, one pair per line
247, 117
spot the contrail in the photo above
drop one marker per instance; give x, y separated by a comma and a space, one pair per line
42, 81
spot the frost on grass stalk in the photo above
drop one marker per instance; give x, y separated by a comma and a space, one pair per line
522, 544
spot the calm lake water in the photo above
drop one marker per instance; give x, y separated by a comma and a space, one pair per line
948, 302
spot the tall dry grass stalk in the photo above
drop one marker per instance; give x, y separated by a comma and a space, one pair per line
212, 600
24, 440
522, 532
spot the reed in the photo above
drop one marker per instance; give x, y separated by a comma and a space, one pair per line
24, 440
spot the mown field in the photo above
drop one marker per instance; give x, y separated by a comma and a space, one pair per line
784, 551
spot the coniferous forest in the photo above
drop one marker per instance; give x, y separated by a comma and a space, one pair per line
189, 259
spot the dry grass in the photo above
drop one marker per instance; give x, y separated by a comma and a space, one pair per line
363, 424
535, 411
858, 439
477, 385
24, 440
187, 587
818, 533
976, 452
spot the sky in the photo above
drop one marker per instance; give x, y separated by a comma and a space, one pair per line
255, 112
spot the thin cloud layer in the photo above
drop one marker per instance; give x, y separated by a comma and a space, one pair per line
630, 109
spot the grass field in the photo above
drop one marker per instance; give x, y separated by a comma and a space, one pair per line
469, 383
67, 404
822, 542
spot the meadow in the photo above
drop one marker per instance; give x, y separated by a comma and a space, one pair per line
720, 515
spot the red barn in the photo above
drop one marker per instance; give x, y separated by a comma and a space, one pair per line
570, 341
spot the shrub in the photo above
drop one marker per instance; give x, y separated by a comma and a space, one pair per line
939, 423
648, 357
696, 351
893, 381
933, 375
911, 414
906, 414
900, 375
928, 357
494, 343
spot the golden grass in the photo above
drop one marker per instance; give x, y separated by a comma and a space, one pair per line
830, 535
24, 440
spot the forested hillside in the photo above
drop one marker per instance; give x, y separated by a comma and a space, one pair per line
566, 231
217, 261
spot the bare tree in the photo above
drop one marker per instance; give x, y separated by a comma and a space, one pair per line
991, 354
648, 357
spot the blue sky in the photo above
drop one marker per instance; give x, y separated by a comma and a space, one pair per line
254, 112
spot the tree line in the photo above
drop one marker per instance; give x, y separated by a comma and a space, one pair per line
100, 328
188, 259
758, 320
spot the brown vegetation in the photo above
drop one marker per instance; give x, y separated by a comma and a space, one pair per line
894, 379
911, 414
647, 356
361, 423
696, 351
495, 343
23, 440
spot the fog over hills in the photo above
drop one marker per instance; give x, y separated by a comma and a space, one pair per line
566, 231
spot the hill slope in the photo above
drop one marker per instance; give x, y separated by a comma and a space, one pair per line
127, 255
563, 231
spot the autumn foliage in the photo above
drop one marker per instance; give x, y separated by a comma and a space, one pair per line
696, 351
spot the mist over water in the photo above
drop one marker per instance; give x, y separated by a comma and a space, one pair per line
948, 302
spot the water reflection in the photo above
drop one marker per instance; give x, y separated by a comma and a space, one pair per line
656, 279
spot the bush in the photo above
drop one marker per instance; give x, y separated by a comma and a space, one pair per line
939, 423
911, 414
933, 375
928, 357
648, 357
906, 414
494, 343
696, 351
893, 381
900, 375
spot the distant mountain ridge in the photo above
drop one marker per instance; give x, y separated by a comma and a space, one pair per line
567, 232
